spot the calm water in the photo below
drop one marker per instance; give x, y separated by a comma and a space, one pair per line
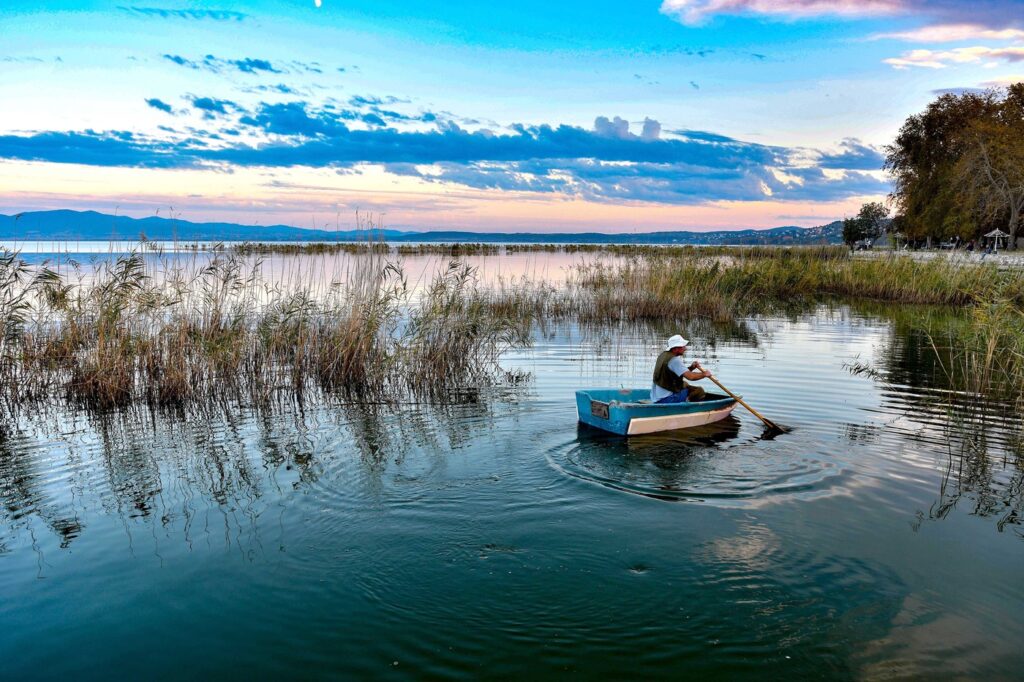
80, 262
496, 538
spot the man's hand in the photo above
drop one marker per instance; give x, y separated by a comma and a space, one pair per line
695, 365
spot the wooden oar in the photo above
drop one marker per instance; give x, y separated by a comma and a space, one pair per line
767, 422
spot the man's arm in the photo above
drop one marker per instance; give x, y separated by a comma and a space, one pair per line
696, 372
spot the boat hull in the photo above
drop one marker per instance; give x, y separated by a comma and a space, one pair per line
620, 411
641, 425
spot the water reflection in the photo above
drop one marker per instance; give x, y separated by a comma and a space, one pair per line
976, 437
23, 482
176, 473
495, 534
988, 481
805, 603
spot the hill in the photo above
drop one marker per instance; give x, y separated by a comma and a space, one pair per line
65, 225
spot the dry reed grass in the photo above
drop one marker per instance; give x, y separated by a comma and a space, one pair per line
170, 334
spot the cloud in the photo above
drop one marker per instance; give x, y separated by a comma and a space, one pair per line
211, 106
1004, 81
950, 33
249, 65
853, 155
697, 11
297, 119
992, 14
605, 163
294, 119
618, 128
940, 59
372, 100
665, 183
308, 67
280, 88
181, 61
651, 130
995, 14
194, 14
160, 105
90, 148
958, 91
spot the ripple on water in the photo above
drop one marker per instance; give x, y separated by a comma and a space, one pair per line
719, 463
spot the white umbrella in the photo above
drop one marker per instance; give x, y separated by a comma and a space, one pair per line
996, 235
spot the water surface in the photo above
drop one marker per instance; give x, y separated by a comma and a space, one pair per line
497, 538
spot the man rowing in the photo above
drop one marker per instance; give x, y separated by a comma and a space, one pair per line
670, 375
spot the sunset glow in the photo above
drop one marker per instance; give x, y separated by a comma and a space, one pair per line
681, 114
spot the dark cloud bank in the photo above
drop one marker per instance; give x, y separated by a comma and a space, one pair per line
607, 162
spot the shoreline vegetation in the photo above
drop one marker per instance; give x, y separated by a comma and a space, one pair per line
123, 336
461, 249
136, 329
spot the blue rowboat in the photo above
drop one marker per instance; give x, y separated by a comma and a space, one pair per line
629, 412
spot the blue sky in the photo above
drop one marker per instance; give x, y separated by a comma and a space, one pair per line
659, 114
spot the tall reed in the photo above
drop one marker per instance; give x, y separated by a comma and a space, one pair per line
751, 281
148, 329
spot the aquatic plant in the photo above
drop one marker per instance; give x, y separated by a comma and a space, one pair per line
171, 334
725, 285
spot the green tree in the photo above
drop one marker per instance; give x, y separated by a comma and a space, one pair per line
990, 174
853, 231
873, 218
957, 166
869, 223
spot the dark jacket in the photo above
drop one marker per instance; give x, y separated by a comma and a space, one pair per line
665, 377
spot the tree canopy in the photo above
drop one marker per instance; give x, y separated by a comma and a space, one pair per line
869, 224
958, 167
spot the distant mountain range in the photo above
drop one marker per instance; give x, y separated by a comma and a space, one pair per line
93, 226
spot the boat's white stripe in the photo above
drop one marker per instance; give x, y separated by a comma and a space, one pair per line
677, 421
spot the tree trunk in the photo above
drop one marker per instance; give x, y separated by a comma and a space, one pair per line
1014, 223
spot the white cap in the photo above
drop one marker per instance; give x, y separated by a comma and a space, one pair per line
675, 342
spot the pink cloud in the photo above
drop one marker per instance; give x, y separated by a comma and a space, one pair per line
949, 33
940, 15
696, 11
940, 59
1004, 82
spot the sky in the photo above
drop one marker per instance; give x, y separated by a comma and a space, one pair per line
524, 115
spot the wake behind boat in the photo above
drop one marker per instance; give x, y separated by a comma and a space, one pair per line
629, 412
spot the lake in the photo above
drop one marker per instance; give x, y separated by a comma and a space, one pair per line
493, 537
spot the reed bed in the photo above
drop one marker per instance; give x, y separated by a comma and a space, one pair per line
752, 281
723, 285
457, 249
454, 250
824, 252
171, 335
303, 249
149, 329
986, 352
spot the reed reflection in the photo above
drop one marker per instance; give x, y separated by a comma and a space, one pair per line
977, 434
215, 474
